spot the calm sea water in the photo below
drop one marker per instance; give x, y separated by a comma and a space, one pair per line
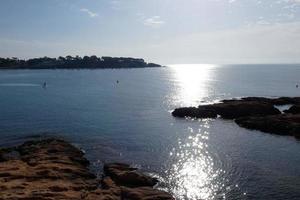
131, 122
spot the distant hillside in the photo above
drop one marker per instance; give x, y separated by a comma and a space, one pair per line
69, 62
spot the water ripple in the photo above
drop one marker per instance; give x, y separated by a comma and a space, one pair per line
195, 173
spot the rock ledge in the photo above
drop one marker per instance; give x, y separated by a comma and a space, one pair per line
257, 113
54, 169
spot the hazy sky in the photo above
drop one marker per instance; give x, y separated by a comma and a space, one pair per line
163, 31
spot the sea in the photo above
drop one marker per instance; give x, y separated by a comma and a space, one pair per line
124, 115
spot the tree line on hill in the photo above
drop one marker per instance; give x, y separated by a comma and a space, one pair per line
69, 62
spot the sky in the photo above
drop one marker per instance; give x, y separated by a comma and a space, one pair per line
161, 31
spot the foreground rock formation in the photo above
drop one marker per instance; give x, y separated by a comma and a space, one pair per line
54, 169
253, 113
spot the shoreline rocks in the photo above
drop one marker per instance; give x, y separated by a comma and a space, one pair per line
193, 112
295, 109
274, 101
54, 169
228, 110
125, 175
286, 124
257, 113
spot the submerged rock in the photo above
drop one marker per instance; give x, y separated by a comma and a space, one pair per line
54, 169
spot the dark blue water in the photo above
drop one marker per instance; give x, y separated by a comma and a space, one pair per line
130, 121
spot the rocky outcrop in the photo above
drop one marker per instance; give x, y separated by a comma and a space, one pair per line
193, 112
253, 113
274, 101
228, 110
286, 124
295, 109
54, 169
123, 174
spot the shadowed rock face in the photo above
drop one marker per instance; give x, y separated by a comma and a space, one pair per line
54, 169
200, 112
253, 113
275, 101
228, 110
125, 175
295, 109
286, 124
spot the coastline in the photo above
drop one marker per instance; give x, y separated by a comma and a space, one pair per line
69, 62
79, 68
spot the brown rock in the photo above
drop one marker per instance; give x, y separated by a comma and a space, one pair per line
144, 193
118, 182
45, 170
54, 169
123, 174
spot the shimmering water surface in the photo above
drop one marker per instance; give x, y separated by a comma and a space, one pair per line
130, 121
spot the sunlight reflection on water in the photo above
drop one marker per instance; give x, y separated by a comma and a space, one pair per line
192, 83
195, 174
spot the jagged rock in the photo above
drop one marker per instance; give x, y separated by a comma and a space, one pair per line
286, 124
295, 109
201, 112
144, 193
54, 169
125, 175
230, 109
273, 101
253, 113
45, 170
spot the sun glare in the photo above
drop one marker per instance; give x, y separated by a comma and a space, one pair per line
191, 83
194, 174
